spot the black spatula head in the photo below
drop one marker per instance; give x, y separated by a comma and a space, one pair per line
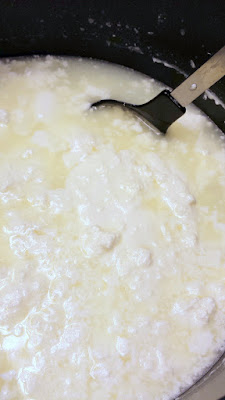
160, 112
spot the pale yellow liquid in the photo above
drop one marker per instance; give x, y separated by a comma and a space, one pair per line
112, 259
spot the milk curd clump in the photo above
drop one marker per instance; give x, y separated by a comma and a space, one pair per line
112, 257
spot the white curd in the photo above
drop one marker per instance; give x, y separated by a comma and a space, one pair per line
112, 257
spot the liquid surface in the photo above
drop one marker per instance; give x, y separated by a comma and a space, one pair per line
112, 259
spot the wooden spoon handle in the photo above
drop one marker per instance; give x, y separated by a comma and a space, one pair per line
200, 80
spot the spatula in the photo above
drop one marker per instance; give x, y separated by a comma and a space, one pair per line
168, 106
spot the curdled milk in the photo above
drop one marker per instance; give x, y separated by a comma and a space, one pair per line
112, 258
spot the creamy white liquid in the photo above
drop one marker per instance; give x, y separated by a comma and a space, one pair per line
112, 259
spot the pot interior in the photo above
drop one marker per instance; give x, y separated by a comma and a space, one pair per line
138, 34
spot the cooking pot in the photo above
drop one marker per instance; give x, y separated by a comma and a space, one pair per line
166, 39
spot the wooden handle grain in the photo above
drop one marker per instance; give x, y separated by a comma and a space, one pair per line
200, 80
